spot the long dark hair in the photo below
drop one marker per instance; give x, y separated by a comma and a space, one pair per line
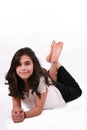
16, 84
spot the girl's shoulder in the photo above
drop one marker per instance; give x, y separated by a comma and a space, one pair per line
42, 85
42, 79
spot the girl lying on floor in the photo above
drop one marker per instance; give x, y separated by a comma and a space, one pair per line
37, 87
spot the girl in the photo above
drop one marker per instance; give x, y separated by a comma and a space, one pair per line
36, 87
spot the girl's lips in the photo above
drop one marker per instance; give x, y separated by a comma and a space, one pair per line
23, 73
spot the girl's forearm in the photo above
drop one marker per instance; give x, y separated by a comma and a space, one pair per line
16, 102
33, 112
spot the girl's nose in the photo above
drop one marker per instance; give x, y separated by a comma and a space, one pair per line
23, 67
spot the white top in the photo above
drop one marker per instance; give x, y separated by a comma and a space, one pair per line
54, 98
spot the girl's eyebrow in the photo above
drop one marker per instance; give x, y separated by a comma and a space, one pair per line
28, 61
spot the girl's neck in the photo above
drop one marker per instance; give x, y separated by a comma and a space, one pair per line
27, 87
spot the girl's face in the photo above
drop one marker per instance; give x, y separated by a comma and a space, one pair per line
25, 67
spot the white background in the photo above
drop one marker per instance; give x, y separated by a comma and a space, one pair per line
35, 24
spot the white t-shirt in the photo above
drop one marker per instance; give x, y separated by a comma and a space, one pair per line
54, 98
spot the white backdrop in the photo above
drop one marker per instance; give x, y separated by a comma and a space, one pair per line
35, 24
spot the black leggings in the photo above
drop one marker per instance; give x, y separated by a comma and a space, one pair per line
68, 87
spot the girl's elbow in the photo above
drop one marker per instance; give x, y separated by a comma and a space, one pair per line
39, 111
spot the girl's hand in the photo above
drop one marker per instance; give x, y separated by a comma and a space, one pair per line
17, 115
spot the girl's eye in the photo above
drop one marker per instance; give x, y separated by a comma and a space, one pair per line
19, 64
27, 63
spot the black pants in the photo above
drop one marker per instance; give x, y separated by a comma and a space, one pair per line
67, 85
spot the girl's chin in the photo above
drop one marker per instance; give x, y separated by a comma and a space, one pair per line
24, 78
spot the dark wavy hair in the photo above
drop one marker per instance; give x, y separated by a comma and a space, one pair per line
16, 84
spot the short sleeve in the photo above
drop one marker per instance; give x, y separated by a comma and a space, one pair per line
42, 85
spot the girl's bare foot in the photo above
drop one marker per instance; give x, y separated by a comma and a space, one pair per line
48, 58
54, 57
56, 52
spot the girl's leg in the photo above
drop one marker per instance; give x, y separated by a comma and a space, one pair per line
48, 58
53, 58
68, 87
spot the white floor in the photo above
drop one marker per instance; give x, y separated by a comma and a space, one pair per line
67, 118
72, 117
